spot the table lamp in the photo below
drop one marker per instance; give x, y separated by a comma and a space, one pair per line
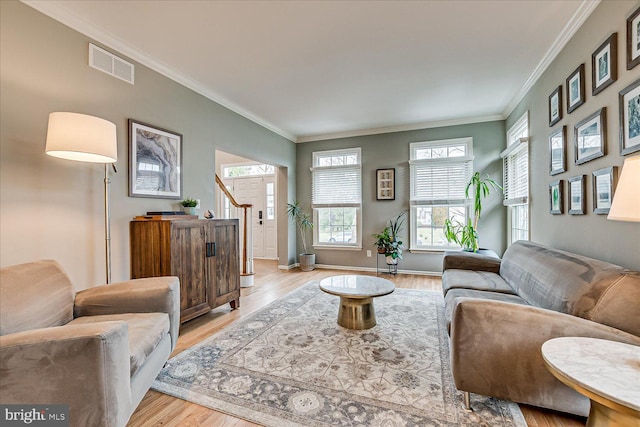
626, 200
85, 138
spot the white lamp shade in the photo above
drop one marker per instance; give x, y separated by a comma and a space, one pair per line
626, 200
82, 138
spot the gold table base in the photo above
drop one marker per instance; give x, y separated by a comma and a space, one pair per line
356, 313
603, 416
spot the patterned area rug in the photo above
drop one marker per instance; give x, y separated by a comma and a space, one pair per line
290, 364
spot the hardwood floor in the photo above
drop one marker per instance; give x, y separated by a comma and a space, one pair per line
158, 409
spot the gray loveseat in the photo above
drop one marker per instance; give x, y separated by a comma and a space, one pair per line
500, 312
97, 350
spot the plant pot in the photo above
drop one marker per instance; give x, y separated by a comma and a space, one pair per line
189, 211
307, 262
391, 260
381, 250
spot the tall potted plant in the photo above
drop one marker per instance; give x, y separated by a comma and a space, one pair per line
302, 220
388, 241
466, 235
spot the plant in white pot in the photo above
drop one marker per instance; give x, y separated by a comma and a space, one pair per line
466, 235
302, 220
189, 206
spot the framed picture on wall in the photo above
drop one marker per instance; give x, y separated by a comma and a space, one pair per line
155, 162
590, 137
576, 195
555, 106
633, 39
556, 197
604, 185
629, 103
385, 184
604, 65
558, 151
575, 89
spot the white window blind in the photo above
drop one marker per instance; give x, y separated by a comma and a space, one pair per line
515, 177
441, 180
336, 185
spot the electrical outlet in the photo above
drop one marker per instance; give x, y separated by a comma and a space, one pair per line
198, 205
369, 254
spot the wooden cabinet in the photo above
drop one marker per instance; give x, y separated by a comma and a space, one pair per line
202, 253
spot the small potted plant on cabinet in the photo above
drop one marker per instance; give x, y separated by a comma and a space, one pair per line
189, 206
302, 220
466, 235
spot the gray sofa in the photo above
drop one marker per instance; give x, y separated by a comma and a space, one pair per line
97, 350
500, 312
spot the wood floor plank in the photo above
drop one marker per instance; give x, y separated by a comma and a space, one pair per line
158, 409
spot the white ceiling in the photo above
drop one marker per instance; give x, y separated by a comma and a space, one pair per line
311, 70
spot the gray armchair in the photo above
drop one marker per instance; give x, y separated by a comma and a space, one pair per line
97, 350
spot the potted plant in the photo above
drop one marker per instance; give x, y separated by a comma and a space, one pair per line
302, 220
388, 241
189, 206
466, 235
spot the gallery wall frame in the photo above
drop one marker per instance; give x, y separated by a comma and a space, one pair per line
385, 184
558, 151
633, 39
556, 197
577, 202
629, 108
555, 106
604, 186
604, 65
575, 89
155, 162
590, 137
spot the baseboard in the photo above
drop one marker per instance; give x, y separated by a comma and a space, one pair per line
288, 267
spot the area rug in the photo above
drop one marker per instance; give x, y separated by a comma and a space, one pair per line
290, 364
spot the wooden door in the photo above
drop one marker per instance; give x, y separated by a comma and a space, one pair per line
189, 263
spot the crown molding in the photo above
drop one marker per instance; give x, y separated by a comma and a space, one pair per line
574, 24
72, 20
401, 128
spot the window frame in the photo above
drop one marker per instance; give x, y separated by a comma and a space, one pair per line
517, 139
315, 207
415, 204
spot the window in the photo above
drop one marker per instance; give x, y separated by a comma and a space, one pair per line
270, 200
516, 180
336, 197
439, 171
237, 170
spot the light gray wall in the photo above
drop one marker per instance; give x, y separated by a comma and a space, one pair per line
590, 234
53, 208
392, 150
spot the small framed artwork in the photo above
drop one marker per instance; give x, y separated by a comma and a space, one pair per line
633, 39
576, 195
590, 139
629, 102
575, 89
604, 185
155, 162
604, 65
556, 197
385, 184
555, 106
558, 151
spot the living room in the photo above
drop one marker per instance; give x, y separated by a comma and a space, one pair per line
53, 209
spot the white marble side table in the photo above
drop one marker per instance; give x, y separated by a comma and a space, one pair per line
356, 298
607, 372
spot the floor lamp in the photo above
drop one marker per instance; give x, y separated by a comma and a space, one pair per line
626, 200
85, 138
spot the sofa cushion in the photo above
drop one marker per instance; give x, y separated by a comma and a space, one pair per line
449, 299
478, 280
145, 332
557, 280
34, 295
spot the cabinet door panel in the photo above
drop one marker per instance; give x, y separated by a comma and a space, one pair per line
189, 264
226, 259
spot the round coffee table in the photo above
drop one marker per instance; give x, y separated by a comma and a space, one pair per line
356, 298
607, 372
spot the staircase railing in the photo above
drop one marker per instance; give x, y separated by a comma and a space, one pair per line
247, 273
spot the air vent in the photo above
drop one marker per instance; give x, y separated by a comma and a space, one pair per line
108, 63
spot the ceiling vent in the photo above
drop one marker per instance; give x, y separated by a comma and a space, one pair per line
110, 64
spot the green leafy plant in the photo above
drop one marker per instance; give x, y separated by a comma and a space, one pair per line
466, 235
388, 241
302, 220
189, 203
